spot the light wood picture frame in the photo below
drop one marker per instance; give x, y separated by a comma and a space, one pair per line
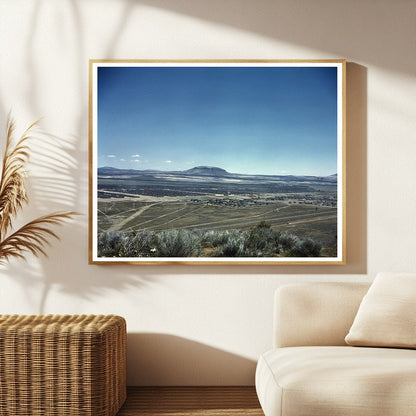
217, 162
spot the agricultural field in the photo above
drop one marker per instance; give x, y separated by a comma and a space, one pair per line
206, 201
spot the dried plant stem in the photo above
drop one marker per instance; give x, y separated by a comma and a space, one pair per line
34, 236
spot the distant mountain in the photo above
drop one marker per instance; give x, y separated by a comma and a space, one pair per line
206, 171
332, 178
210, 171
108, 170
197, 171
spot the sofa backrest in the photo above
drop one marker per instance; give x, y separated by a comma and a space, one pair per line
309, 314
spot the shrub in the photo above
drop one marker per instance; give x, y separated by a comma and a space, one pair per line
262, 240
177, 243
233, 245
140, 244
306, 248
287, 242
217, 238
110, 244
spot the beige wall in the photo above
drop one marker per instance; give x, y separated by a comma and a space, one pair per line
204, 325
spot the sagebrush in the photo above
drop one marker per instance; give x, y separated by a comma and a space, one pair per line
259, 241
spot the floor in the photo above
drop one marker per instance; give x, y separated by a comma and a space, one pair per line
195, 401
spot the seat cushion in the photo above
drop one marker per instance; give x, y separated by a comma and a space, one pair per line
341, 381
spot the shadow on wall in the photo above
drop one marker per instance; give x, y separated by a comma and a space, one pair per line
56, 172
371, 34
53, 188
356, 163
61, 163
161, 359
58, 175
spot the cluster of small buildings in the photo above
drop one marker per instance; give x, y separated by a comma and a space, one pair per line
304, 199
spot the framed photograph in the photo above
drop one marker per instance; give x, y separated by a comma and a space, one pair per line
217, 162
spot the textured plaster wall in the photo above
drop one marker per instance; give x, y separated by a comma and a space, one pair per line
193, 325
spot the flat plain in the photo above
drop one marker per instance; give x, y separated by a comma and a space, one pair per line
212, 199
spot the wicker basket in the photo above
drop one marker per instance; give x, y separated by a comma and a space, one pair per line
54, 365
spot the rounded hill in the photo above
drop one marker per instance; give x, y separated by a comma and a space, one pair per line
207, 171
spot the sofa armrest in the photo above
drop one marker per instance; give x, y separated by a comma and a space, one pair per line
309, 314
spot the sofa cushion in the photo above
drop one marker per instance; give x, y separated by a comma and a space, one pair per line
342, 381
387, 314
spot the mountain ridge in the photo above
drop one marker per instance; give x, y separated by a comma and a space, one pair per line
212, 171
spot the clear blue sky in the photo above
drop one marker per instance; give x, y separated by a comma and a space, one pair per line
258, 120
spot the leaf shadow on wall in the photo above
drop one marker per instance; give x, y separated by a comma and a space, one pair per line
163, 359
53, 187
58, 178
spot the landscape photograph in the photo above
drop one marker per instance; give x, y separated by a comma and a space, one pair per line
216, 162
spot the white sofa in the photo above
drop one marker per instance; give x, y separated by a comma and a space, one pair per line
311, 371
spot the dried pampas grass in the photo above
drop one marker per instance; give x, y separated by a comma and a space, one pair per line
34, 236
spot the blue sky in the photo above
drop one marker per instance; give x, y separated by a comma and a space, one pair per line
255, 120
